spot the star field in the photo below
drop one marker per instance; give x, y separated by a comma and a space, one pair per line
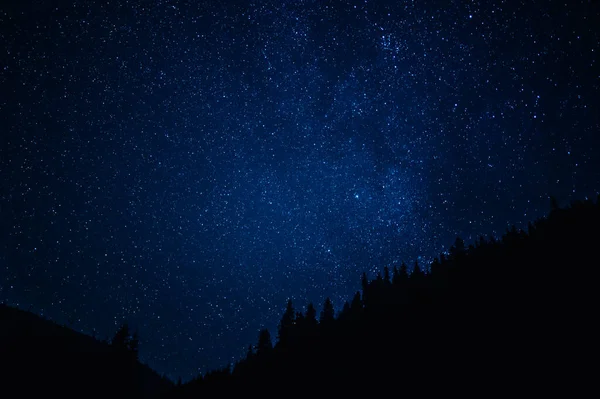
188, 166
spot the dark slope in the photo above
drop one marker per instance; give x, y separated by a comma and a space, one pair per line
515, 316
38, 356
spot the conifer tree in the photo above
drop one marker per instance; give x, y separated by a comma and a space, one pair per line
554, 204
435, 266
134, 343
386, 275
395, 275
286, 324
264, 345
121, 338
345, 310
356, 304
328, 313
250, 353
458, 248
365, 289
403, 271
300, 319
417, 271
311, 315
364, 282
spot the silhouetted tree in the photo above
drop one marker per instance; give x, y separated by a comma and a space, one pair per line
328, 313
482, 241
300, 321
395, 275
464, 311
286, 324
435, 266
417, 272
311, 316
345, 313
403, 271
134, 343
530, 228
458, 248
121, 338
250, 353
264, 345
356, 304
364, 282
125, 342
554, 204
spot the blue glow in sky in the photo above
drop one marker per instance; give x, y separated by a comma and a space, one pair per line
188, 166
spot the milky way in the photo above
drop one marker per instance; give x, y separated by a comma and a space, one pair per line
188, 166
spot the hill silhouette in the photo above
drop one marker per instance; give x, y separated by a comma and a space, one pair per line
40, 357
514, 315
509, 316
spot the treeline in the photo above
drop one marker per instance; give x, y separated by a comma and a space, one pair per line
39, 358
508, 316
514, 315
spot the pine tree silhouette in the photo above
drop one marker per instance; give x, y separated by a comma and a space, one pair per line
554, 204
458, 248
356, 305
286, 324
345, 311
265, 345
311, 316
134, 343
328, 313
462, 315
417, 272
121, 338
250, 353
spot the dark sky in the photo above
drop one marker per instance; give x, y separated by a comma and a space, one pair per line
188, 166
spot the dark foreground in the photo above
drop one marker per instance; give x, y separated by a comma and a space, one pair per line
514, 316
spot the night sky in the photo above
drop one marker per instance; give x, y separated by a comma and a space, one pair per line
188, 166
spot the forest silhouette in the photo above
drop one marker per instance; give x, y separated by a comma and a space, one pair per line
40, 358
514, 315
